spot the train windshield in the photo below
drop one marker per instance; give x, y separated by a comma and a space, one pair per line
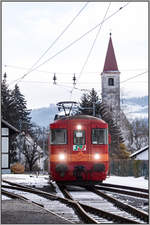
79, 137
99, 136
58, 136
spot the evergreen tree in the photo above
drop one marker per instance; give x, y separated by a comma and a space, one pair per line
101, 110
14, 109
21, 116
90, 103
15, 112
7, 105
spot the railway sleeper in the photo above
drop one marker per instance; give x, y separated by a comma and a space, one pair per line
130, 209
98, 212
107, 215
130, 193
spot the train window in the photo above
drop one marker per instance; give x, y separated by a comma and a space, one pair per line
99, 136
58, 136
79, 137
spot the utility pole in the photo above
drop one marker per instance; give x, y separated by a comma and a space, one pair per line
93, 108
20, 127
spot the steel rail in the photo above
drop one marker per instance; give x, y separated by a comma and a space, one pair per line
33, 190
70, 202
12, 195
20, 197
96, 211
130, 209
126, 192
82, 213
124, 187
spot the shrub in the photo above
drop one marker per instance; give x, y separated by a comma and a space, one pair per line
17, 168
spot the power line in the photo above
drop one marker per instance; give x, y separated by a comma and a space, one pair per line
134, 77
59, 36
80, 37
88, 56
73, 42
66, 28
68, 73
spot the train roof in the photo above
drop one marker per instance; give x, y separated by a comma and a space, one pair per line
86, 117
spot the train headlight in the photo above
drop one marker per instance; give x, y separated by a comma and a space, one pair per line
96, 156
79, 127
62, 156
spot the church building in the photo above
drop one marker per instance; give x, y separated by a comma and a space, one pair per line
110, 80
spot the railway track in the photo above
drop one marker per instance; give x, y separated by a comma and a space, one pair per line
123, 218
53, 203
120, 189
123, 206
87, 213
124, 187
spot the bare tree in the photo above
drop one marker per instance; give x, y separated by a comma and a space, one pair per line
31, 154
140, 133
29, 148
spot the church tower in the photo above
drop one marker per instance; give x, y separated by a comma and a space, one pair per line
110, 80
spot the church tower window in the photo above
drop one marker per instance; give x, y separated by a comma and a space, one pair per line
111, 81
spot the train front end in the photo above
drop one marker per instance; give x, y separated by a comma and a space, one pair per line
79, 150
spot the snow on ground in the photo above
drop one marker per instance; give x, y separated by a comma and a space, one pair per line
27, 179
42, 180
138, 182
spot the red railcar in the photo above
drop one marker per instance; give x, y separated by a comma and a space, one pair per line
79, 150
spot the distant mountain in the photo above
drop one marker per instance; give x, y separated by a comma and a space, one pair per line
44, 116
136, 107
133, 108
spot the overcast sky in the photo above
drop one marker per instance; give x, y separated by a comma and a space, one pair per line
29, 29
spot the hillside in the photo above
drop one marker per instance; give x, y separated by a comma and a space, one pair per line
44, 116
136, 107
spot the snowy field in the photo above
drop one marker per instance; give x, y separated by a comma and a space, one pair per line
42, 180
139, 182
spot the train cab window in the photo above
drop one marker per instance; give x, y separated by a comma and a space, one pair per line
79, 137
99, 136
58, 136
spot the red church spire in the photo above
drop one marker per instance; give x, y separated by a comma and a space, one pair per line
110, 60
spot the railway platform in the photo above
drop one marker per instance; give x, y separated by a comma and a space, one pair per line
21, 212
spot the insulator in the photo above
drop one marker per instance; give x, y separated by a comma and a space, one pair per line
5, 75
74, 79
54, 79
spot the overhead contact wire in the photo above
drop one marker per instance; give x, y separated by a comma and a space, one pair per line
73, 42
93, 44
66, 28
78, 39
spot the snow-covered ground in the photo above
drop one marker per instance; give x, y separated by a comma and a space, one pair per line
27, 179
139, 182
42, 180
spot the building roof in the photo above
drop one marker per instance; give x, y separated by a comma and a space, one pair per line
110, 60
8, 125
139, 151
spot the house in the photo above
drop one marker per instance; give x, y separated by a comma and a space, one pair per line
141, 154
7, 133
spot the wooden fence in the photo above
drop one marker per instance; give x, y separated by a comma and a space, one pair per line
128, 167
